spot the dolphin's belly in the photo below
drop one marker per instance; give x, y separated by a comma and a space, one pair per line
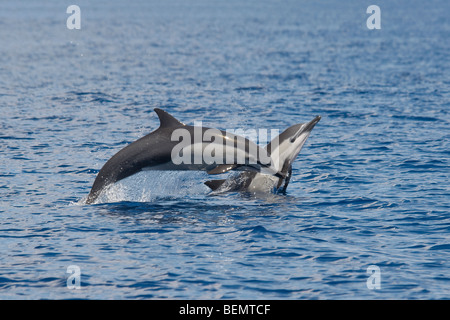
263, 183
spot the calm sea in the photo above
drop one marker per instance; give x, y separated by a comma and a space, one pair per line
370, 187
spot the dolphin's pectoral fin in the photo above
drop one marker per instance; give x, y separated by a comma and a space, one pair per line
214, 184
221, 168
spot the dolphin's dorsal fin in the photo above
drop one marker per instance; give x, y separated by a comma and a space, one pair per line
167, 120
214, 184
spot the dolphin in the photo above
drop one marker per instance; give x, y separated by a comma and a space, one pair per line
177, 146
283, 150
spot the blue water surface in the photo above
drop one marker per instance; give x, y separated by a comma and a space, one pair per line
370, 187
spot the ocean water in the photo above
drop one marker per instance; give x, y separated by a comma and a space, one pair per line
370, 187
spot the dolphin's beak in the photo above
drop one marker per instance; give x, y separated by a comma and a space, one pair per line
307, 127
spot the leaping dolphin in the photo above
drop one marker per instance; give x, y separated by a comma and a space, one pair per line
284, 149
160, 150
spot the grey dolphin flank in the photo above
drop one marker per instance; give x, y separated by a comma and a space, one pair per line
155, 152
284, 149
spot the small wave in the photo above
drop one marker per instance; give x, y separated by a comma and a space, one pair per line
94, 96
418, 118
249, 88
258, 231
15, 138
440, 247
358, 203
